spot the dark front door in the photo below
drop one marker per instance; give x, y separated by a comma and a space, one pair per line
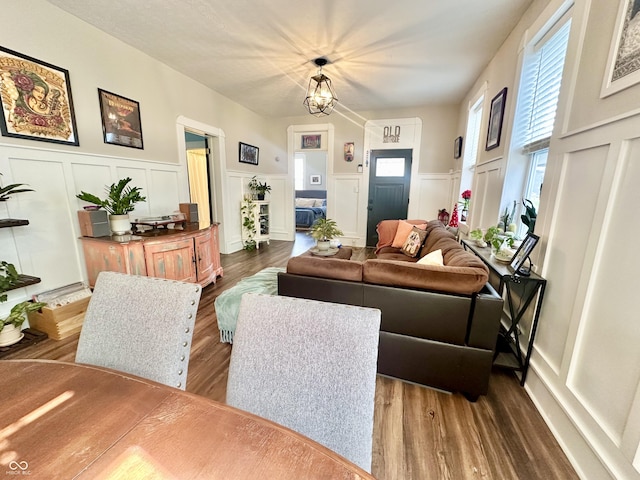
389, 180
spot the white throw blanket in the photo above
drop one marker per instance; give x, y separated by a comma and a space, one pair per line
227, 304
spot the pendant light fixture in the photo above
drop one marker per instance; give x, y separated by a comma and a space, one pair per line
320, 98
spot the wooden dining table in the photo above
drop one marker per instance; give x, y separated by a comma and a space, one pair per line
64, 420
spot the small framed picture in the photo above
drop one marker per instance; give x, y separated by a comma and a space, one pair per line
248, 154
315, 179
311, 141
623, 64
457, 147
36, 100
521, 255
349, 148
120, 120
496, 114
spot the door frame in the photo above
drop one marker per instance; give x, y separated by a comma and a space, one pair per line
292, 131
410, 138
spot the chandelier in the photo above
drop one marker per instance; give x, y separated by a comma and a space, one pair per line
320, 98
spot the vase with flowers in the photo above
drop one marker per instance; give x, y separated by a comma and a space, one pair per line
466, 196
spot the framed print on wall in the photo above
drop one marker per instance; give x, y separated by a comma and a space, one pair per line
623, 65
496, 115
315, 180
120, 120
248, 154
36, 100
457, 147
311, 141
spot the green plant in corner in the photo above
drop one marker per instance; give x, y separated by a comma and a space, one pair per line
248, 223
121, 199
530, 215
6, 192
259, 188
325, 229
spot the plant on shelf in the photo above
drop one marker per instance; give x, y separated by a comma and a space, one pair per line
121, 199
323, 231
259, 189
477, 236
506, 219
248, 223
10, 325
6, 192
530, 215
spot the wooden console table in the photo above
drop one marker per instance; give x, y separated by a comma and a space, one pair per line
518, 292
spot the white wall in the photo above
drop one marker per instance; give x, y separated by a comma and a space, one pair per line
585, 370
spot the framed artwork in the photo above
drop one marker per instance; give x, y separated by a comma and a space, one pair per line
623, 65
457, 147
315, 179
120, 120
496, 114
311, 141
349, 148
248, 154
523, 252
36, 100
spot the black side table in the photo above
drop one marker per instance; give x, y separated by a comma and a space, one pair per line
519, 292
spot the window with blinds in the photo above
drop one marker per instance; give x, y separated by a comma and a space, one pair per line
540, 87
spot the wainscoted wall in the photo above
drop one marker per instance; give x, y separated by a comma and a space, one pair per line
49, 247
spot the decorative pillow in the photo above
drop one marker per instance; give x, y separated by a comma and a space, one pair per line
433, 258
319, 202
414, 240
402, 232
305, 202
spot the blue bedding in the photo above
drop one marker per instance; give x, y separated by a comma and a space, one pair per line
305, 216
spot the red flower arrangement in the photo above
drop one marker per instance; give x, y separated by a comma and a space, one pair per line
466, 194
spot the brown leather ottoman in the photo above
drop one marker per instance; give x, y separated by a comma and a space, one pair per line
344, 253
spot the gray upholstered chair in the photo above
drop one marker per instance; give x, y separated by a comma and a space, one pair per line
140, 325
310, 366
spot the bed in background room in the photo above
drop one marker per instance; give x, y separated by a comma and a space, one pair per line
310, 206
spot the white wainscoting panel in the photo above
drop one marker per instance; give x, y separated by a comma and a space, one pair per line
486, 194
605, 369
579, 184
278, 208
434, 194
342, 206
164, 192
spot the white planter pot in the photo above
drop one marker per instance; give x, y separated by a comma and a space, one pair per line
119, 224
323, 245
10, 335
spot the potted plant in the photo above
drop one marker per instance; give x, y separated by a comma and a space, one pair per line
10, 325
248, 223
259, 189
477, 236
530, 216
323, 230
6, 192
120, 201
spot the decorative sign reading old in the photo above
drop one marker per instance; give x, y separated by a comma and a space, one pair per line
391, 134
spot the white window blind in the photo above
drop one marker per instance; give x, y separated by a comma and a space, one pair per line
540, 87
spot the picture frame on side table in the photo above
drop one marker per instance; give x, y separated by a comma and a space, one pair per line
248, 153
522, 254
623, 64
36, 100
496, 115
121, 123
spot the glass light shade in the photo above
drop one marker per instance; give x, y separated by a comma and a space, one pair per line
320, 98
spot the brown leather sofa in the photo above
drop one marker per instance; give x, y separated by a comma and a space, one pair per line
437, 328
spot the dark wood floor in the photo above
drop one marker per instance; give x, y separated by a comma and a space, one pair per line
419, 433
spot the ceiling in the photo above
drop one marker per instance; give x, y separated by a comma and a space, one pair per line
382, 53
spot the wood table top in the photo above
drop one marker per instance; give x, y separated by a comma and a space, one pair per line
64, 420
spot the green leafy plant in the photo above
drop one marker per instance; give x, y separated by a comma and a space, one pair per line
8, 279
530, 215
476, 234
490, 233
17, 316
6, 192
325, 229
121, 198
248, 223
258, 188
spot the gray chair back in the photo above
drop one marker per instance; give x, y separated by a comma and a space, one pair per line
310, 366
140, 325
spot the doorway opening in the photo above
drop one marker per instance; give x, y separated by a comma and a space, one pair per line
310, 188
198, 151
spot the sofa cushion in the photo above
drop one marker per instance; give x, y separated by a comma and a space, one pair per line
438, 238
413, 243
454, 279
402, 232
325, 267
433, 258
386, 230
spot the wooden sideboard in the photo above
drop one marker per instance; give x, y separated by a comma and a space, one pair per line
191, 254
